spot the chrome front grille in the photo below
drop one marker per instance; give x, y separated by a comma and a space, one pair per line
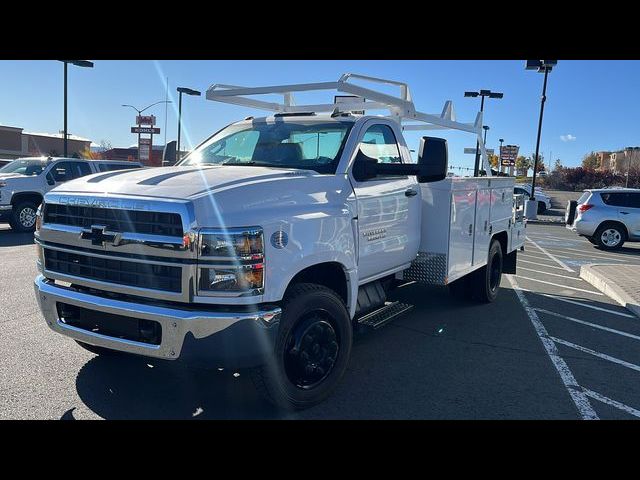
120, 272
140, 246
133, 221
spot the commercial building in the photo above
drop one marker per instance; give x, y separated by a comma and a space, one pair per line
16, 143
131, 154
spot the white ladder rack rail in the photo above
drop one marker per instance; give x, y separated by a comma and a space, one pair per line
401, 108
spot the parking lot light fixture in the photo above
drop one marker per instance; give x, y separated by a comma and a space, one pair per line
77, 63
187, 91
541, 66
482, 94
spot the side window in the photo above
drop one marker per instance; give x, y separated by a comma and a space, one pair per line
84, 168
380, 143
614, 199
63, 171
633, 200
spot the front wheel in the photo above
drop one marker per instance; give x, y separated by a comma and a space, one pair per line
312, 349
24, 217
486, 281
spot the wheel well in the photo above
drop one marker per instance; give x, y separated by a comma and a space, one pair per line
26, 197
613, 222
504, 241
329, 274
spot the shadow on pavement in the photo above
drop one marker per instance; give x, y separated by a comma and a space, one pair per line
9, 238
125, 387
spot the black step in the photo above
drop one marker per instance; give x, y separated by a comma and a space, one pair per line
383, 315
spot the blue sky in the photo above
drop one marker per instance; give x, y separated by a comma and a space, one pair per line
592, 105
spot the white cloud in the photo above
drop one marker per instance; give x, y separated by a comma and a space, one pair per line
567, 138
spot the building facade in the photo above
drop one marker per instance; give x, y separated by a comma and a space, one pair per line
16, 143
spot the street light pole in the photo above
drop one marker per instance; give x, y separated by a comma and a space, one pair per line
77, 63
482, 94
535, 160
188, 91
64, 141
500, 155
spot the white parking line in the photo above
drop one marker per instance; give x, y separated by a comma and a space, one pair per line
532, 255
594, 325
598, 253
613, 403
577, 395
559, 262
553, 274
560, 285
541, 264
562, 254
542, 236
574, 302
603, 356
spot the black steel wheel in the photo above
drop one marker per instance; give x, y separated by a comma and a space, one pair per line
312, 349
486, 281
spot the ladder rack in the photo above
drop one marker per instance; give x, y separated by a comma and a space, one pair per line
400, 107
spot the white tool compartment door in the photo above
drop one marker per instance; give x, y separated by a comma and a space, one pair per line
463, 205
483, 227
388, 207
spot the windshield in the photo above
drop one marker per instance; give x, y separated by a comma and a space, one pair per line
24, 167
306, 145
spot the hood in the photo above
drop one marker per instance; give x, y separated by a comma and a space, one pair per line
4, 176
184, 183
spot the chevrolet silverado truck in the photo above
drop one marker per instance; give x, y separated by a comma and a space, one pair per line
274, 239
24, 181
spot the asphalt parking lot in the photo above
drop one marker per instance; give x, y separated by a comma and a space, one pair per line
550, 347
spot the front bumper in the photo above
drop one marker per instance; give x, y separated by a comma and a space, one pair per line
222, 339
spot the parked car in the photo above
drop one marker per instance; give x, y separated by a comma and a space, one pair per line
607, 217
4, 161
24, 182
544, 202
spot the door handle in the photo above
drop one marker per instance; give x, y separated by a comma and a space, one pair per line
410, 192
624, 213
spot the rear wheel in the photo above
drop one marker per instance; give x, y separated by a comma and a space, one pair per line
610, 236
312, 349
486, 281
24, 217
542, 207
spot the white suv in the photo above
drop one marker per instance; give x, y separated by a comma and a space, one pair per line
24, 181
607, 217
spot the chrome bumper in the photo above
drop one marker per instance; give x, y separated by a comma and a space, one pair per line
178, 325
5, 207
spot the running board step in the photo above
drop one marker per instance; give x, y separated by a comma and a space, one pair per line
384, 315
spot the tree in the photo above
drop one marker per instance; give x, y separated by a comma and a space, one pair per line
494, 161
558, 164
523, 164
540, 167
590, 161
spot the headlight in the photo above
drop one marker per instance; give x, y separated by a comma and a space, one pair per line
231, 261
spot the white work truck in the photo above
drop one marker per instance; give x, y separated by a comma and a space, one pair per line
276, 237
24, 182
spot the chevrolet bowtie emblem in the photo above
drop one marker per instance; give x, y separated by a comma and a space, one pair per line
99, 236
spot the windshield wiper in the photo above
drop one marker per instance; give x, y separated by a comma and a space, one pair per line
235, 164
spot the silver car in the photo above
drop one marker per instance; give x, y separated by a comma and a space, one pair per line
607, 217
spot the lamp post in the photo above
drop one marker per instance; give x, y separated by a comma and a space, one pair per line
139, 114
77, 63
500, 155
188, 91
482, 94
541, 66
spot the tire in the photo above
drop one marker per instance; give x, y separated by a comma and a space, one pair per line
107, 352
542, 207
315, 323
592, 240
610, 236
461, 288
486, 281
24, 217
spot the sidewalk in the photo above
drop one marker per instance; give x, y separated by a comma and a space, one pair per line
620, 282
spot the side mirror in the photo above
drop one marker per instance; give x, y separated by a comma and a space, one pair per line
364, 167
50, 179
433, 159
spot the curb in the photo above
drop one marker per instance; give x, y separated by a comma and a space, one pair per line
610, 289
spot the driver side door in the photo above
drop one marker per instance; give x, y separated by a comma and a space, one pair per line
388, 206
